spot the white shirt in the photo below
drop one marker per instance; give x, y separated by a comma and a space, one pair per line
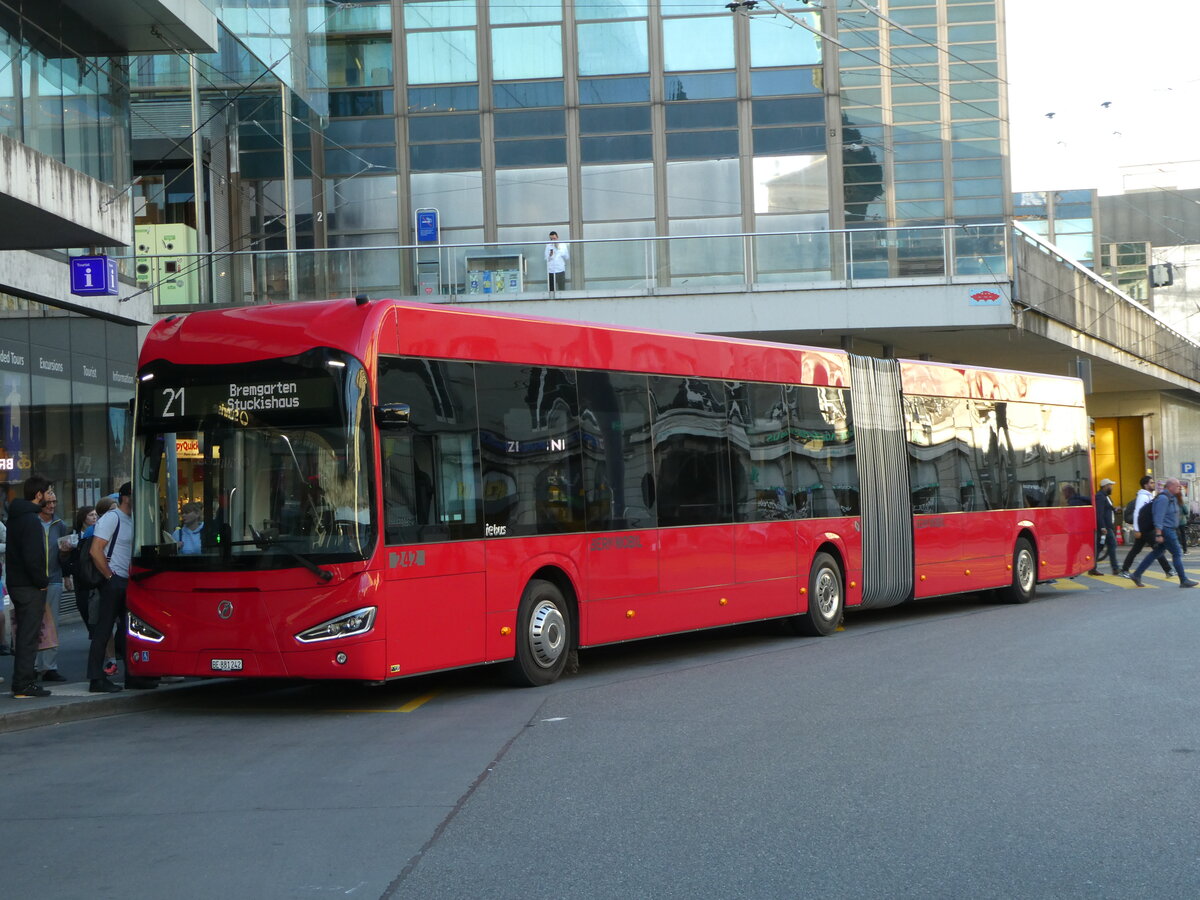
1143, 497
556, 257
122, 550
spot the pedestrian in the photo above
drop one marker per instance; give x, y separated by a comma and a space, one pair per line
5, 623
1183, 518
112, 552
54, 530
103, 505
85, 518
1106, 538
1165, 511
1141, 541
556, 263
27, 583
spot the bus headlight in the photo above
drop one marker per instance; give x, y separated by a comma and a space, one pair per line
358, 622
140, 629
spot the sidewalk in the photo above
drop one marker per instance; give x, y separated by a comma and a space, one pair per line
71, 702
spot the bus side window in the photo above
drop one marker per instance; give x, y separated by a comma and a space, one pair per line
431, 489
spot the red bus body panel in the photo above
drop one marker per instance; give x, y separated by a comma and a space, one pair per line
455, 604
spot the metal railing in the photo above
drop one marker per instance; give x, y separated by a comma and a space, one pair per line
792, 260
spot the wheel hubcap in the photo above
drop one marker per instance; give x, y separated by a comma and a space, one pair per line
826, 592
1025, 570
547, 634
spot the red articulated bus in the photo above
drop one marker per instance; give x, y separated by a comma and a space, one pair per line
371, 490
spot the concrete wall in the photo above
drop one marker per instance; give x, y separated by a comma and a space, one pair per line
45, 204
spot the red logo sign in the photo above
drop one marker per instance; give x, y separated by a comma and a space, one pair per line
985, 297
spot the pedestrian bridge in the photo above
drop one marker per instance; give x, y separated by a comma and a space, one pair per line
994, 295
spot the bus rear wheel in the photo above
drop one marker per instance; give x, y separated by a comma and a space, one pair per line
825, 599
543, 635
1024, 569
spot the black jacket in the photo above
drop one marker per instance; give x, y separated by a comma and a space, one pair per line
26, 546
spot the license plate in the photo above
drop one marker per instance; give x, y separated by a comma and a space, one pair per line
226, 665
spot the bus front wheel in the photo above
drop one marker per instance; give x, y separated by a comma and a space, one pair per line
543, 635
1024, 570
825, 599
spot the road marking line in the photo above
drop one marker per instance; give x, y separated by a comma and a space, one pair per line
416, 704
1064, 584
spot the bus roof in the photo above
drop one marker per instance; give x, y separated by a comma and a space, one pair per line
411, 328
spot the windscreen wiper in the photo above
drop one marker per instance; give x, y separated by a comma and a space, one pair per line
265, 542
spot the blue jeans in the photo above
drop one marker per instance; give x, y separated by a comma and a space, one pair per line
1168, 544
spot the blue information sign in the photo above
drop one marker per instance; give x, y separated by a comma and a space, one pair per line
427, 226
93, 276
1189, 468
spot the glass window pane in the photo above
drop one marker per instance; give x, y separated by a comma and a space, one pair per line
702, 115
530, 124
617, 461
617, 192
612, 48
771, 45
791, 183
762, 469
789, 112
525, 196
702, 145
360, 103
693, 483
783, 81
619, 263
605, 119
697, 44
422, 129
439, 14
978, 187
616, 148
438, 157
614, 90
525, 414
529, 95
431, 486
443, 99
358, 160
502, 12
534, 52
703, 188
803, 139
458, 196
438, 56
361, 131
362, 204
919, 190
547, 152
700, 87
610, 9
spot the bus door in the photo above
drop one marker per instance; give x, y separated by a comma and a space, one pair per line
433, 562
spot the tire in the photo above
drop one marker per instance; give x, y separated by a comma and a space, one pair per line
1024, 568
826, 599
543, 635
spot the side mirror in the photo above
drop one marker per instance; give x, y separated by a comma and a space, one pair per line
392, 415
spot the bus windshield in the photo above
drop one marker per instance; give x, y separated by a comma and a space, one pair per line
261, 465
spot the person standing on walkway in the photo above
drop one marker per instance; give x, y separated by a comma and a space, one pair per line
27, 583
1165, 510
54, 530
112, 547
85, 519
1141, 541
1106, 538
556, 263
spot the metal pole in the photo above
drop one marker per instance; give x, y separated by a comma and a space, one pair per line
289, 187
204, 271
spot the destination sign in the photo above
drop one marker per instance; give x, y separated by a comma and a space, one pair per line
241, 401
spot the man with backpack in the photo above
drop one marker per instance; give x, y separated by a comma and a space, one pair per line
1163, 519
1141, 539
1106, 538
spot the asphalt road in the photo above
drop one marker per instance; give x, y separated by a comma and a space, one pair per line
952, 749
